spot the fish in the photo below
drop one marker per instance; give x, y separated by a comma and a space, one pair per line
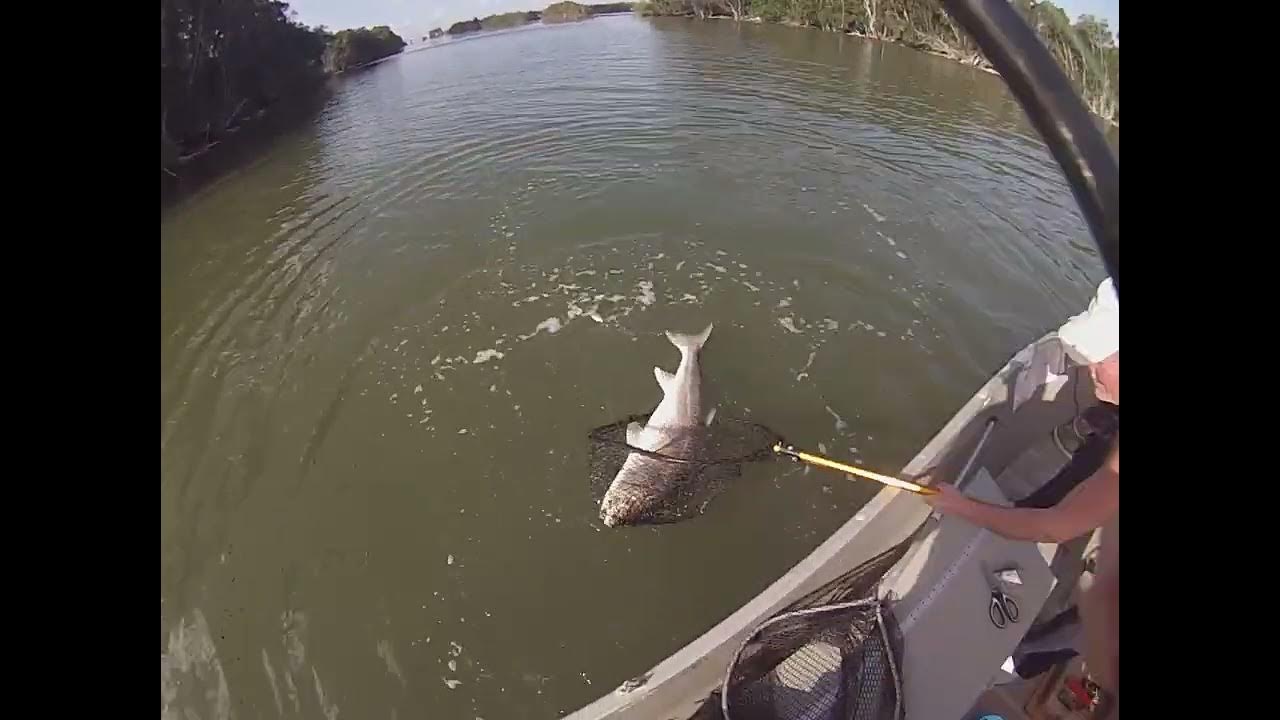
645, 483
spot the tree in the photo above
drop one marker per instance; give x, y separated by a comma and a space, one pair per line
361, 46
565, 12
1085, 49
1093, 31
223, 60
736, 8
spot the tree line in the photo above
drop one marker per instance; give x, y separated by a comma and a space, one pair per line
557, 12
349, 49
1085, 49
224, 62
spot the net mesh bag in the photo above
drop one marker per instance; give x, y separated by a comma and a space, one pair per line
834, 654
676, 478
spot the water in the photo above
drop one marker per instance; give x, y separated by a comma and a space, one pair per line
382, 346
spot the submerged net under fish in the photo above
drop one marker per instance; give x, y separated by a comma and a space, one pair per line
690, 465
674, 482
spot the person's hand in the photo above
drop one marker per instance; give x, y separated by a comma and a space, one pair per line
947, 499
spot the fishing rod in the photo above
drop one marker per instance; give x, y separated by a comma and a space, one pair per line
830, 464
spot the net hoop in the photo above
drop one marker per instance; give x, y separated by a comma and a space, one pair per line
880, 625
602, 434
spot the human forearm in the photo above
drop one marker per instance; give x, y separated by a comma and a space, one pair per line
1086, 507
1032, 524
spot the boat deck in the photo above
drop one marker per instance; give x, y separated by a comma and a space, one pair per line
1009, 696
1013, 698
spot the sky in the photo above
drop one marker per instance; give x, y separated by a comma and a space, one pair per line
1108, 10
409, 18
413, 18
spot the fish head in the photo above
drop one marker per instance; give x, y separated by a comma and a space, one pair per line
625, 513
647, 489
611, 518
638, 490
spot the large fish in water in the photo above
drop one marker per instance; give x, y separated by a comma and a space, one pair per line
645, 483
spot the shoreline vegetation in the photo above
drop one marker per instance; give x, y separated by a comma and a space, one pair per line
236, 73
1085, 50
560, 12
356, 48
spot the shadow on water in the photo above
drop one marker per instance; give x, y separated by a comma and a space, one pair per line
241, 146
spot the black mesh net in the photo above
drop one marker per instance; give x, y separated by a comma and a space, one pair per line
834, 654
677, 476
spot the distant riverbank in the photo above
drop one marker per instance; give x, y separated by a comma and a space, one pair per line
234, 75
560, 12
222, 99
1085, 49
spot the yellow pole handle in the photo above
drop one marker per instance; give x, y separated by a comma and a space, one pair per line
851, 470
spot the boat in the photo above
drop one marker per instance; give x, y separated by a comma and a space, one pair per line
952, 653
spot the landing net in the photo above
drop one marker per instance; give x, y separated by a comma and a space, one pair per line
677, 479
835, 654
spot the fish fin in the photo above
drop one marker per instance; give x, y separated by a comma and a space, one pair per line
686, 343
664, 378
711, 415
633, 434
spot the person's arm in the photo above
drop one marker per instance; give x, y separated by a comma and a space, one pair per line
1100, 613
1085, 508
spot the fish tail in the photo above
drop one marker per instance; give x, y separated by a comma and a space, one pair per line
690, 343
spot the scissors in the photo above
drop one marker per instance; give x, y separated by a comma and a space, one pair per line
1003, 609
